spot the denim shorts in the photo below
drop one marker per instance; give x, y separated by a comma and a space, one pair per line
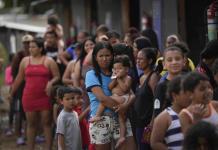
107, 129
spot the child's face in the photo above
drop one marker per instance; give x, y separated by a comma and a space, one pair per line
79, 100
203, 93
183, 99
70, 101
173, 62
119, 70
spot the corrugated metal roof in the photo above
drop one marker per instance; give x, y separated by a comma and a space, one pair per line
24, 27
24, 22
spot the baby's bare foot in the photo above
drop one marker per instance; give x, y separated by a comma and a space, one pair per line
120, 142
95, 119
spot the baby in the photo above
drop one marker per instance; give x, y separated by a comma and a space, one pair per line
120, 87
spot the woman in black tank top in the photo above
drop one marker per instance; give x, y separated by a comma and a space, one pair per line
144, 95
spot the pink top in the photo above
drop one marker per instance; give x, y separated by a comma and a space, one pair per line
34, 94
8, 76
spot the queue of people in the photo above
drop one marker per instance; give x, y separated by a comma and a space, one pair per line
105, 92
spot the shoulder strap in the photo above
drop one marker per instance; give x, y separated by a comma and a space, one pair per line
171, 111
174, 116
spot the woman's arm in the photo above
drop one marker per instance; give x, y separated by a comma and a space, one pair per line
54, 71
77, 71
105, 100
55, 113
66, 79
153, 81
88, 58
161, 124
55, 74
84, 113
61, 142
19, 78
59, 30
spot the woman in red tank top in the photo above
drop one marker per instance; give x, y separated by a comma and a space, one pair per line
40, 73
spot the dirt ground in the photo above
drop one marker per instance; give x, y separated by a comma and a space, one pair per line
9, 142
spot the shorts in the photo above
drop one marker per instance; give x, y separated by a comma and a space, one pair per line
126, 97
107, 129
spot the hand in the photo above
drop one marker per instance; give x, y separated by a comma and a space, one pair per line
121, 108
198, 111
10, 98
48, 88
119, 75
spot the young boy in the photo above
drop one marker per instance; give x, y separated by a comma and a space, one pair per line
68, 130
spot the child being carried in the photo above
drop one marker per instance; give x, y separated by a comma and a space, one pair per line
120, 86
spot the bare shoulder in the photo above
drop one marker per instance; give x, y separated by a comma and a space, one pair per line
155, 76
49, 62
182, 112
184, 117
163, 118
72, 62
48, 59
25, 60
215, 104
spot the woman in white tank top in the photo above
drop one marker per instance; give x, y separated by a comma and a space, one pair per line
202, 107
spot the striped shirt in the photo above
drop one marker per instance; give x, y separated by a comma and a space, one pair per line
174, 136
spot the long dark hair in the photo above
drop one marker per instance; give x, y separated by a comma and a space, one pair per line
97, 48
83, 52
40, 44
150, 54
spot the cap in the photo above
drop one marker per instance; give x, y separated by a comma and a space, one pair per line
27, 38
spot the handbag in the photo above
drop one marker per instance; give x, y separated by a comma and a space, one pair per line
146, 136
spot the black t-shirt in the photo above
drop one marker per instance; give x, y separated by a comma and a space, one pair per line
160, 98
52, 52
